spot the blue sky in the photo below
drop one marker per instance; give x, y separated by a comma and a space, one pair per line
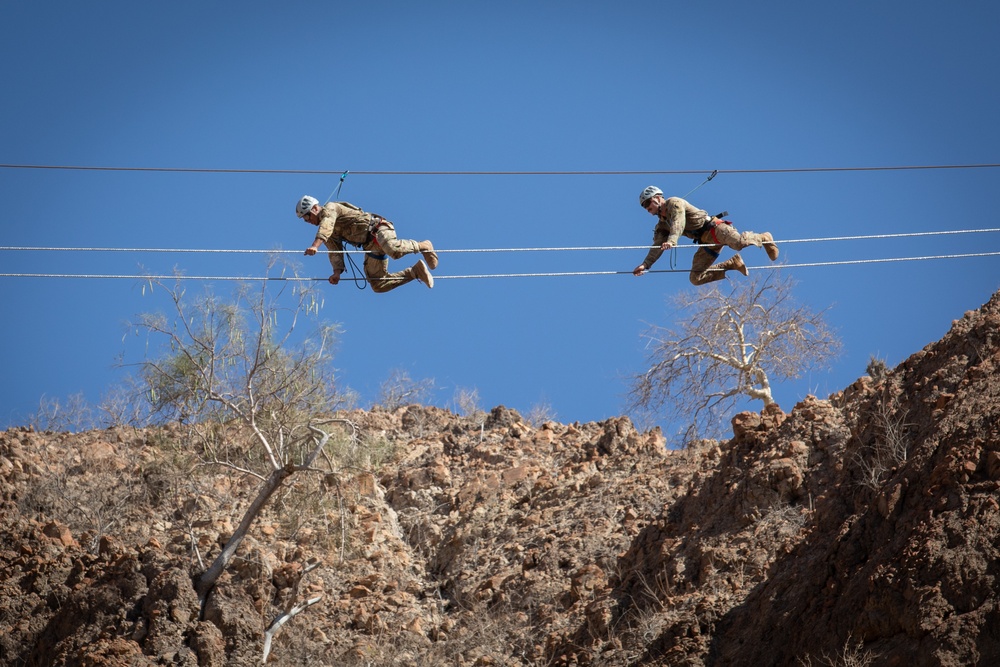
476, 86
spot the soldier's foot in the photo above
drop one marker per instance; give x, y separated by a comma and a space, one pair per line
737, 263
423, 274
427, 250
769, 247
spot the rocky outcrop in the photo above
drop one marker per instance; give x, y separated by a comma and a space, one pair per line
862, 529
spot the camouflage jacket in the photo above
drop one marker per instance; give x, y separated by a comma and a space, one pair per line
677, 217
340, 222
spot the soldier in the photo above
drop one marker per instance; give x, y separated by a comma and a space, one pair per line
676, 217
339, 222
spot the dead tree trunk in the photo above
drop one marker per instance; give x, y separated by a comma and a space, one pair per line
207, 580
205, 583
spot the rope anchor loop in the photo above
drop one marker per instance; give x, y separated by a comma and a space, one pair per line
714, 173
336, 193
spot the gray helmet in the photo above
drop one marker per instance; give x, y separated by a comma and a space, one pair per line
648, 193
305, 205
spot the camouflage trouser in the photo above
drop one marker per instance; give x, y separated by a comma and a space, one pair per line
384, 243
723, 234
384, 237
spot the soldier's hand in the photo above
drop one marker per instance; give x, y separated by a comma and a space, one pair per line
334, 279
639, 270
310, 251
667, 246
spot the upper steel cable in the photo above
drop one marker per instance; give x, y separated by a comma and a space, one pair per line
651, 172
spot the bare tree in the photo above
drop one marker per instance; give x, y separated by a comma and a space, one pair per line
73, 415
728, 346
400, 389
254, 393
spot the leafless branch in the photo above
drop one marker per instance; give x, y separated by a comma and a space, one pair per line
282, 619
291, 609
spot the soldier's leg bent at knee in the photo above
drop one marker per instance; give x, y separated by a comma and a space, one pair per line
385, 236
390, 281
753, 239
377, 271
761, 240
726, 235
700, 265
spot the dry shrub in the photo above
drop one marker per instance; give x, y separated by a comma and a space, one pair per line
400, 389
886, 444
851, 654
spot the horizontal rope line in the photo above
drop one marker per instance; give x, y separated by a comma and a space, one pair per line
500, 275
327, 172
865, 237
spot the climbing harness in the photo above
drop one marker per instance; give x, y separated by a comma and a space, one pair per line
371, 239
376, 223
709, 227
696, 234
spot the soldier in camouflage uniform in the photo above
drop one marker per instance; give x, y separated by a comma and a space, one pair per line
676, 217
340, 222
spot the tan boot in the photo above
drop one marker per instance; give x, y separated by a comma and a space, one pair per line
734, 263
427, 250
769, 247
423, 274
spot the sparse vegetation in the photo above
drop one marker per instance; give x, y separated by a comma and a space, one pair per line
400, 389
114, 495
466, 403
877, 369
367, 453
852, 654
539, 414
884, 444
72, 415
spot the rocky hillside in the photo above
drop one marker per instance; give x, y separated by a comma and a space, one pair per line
859, 530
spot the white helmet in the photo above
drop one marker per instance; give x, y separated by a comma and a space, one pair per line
305, 205
648, 193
